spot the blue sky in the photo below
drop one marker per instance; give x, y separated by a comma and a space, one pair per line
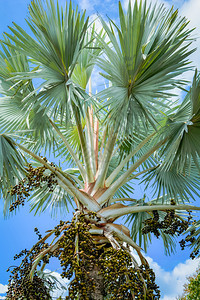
16, 232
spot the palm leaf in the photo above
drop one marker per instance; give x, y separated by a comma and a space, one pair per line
30, 123
58, 200
172, 184
88, 56
149, 50
12, 165
182, 130
59, 40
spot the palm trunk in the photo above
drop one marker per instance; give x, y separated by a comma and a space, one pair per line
98, 293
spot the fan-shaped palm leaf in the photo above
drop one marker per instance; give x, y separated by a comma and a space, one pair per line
59, 40
182, 128
149, 50
31, 122
172, 184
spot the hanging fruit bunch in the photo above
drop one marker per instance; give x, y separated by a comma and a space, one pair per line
174, 225
35, 178
128, 282
20, 285
192, 239
90, 266
171, 224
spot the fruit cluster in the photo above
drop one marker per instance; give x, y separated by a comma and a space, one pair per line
35, 178
171, 224
174, 225
90, 267
123, 281
79, 256
20, 286
189, 241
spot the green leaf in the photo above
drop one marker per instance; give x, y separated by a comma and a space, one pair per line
30, 122
182, 130
55, 48
172, 184
88, 57
58, 200
142, 61
12, 165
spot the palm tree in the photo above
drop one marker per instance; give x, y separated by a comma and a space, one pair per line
135, 130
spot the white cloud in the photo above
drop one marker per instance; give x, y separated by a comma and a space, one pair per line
191, 9
95, 19
3, 289
86, 4
98, 5
61, 282
172, 283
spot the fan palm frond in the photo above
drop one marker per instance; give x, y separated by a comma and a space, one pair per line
147, 52
59, 40
182, 128
172, 184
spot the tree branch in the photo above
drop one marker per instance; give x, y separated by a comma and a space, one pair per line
73, 154
104, 164
84, 147
90, 135
123, 178
113, 175
115, 212
122, 236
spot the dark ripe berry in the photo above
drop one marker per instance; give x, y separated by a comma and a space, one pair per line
155, 215
172, 202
